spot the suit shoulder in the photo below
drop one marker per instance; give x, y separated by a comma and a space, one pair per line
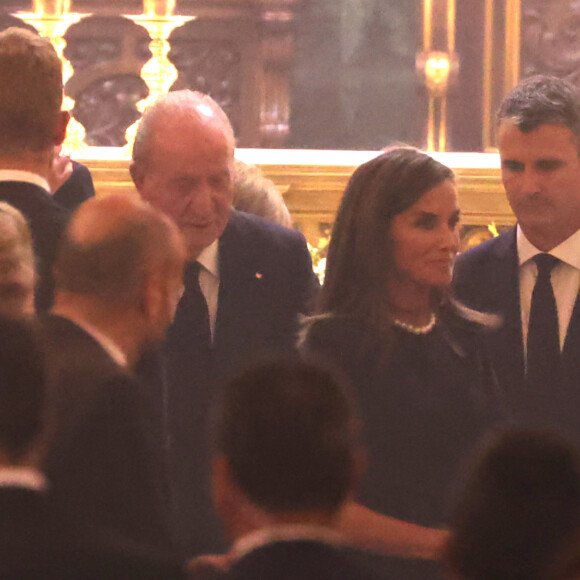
480, 254
257, 230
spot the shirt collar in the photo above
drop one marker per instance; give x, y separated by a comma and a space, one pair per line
208, 258
285, 533
22, 477
567, 251
24, 176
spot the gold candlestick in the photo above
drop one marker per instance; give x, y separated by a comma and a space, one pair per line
54, 8
437, 64
158, 72
159, 8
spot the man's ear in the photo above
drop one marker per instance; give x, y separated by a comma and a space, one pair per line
152, 298
238, 515
60, 129
137, 174
220, 476
360, 465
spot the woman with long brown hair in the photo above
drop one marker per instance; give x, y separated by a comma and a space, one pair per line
414, 356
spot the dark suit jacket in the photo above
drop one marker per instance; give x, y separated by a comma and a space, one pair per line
39, 542
76, 189
47, 220
487, 278
266, 280
99, 457
312, 560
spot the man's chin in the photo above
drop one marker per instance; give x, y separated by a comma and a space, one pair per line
196, 245
199, 238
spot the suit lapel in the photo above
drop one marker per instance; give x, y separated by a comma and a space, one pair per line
570, 358
506, 346
237, 286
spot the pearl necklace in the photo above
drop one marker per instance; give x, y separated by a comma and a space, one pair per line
417, 329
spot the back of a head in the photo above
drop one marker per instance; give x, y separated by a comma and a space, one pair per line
21, 388
360, 255
520, 508
111, 245
30, 93
542, 100
16, 264
287, 431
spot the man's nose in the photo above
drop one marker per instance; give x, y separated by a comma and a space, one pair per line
530, 181
199, 200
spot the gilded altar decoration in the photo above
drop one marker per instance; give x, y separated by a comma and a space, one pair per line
318, 254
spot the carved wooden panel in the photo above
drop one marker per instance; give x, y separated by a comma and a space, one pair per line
210, 63
107, 53
551, 38
7, 20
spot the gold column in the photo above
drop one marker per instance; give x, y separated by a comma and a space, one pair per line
162, 8
501, 59
437, 65
158, 72
52, 19
512, 43
56, 8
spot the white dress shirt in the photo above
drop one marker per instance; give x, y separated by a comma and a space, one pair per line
286, 533
209, 281
565, 280
22, 477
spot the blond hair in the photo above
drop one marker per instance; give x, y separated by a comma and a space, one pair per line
254, 193
17, 272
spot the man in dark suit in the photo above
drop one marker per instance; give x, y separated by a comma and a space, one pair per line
118, 281
539, 143
246, 282
31, 124
70, 181
288, 457
38, 540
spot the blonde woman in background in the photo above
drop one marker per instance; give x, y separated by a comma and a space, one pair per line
256, 194
17, 275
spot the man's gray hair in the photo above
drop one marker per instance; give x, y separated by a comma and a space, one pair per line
187, 102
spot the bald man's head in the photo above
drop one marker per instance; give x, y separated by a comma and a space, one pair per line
112, 245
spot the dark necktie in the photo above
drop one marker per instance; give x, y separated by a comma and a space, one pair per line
543, 371
191, 325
